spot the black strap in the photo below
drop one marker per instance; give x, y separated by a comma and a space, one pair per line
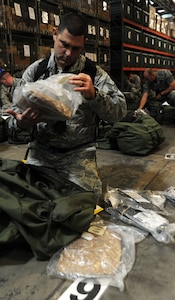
42, 69
89, 68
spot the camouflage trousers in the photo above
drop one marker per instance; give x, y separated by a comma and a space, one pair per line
78, 165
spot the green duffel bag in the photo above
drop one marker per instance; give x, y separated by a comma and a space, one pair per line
164, 114
138, 137
41, 206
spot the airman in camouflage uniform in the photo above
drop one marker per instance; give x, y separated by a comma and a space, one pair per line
70, 147
7, 86
132, 91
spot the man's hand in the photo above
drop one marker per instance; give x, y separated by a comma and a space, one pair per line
28, 118
158, 96
84, 85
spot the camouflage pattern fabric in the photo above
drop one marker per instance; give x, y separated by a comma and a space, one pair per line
6, 93
109, 105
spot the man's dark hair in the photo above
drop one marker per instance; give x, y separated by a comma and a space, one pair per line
74, 23
149, 71
3, 72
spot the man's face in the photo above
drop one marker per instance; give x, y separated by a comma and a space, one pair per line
67, 47
6, 80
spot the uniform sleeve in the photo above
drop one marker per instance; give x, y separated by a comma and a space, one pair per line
170, 77
110, 103
146, 87
5, 95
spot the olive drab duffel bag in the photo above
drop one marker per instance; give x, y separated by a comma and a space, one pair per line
137, 137
162, 113
39, 205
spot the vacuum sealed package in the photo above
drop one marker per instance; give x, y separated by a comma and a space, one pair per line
139, 200
169, 193
102, 252
54, 96
133, 209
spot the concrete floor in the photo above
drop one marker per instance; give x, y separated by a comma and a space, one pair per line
153, 273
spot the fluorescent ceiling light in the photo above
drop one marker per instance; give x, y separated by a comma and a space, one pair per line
160, 10
167, 16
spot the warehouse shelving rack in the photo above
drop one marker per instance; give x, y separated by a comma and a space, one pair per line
134, 45
26, 29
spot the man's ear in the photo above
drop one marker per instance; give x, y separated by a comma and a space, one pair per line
55, 33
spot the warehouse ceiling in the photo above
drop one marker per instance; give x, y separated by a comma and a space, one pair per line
165, 7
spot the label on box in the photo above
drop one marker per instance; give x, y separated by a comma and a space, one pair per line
17, 9
31, 13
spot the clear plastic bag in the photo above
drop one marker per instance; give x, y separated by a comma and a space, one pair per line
132, 208
54, 96
169, 193
99, 257
139, 200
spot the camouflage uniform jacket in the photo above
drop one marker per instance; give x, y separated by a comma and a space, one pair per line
109, 105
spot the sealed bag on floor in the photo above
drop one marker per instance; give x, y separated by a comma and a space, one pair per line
47, 210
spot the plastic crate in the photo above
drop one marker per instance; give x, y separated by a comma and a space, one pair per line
103, 10
90, 52
88, 7
137, 15
128, 58
104, 58
74, 4
137, 59
104, 34
4, 53
121, 9
44, 48
128, 34
92, 30
2, 16
23, 51
137, 37
22, 16
145, 60
145, 18
49, 16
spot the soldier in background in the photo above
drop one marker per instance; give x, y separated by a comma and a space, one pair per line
7, 85
162, 83
132, 90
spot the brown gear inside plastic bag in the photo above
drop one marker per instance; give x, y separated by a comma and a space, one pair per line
50, 104
100, 256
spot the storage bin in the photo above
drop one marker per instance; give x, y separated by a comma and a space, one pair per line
22, 16
103, 37
92, 30
90, 52
128, 58
88, 7
103, 10
128, 34
74, 4
104, 58
23, 51
137, 15
137, 37
49, 16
